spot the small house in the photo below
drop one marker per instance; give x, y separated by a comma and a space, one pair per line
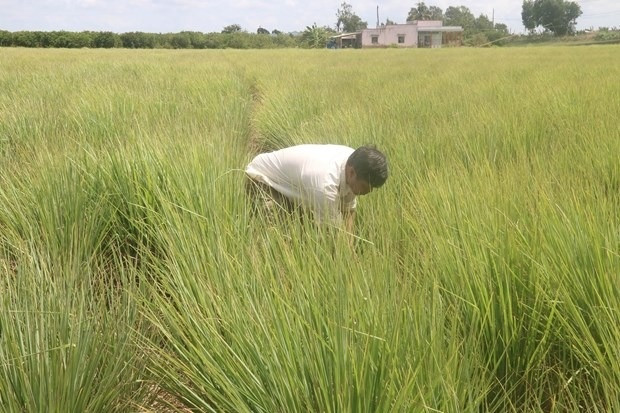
413, 34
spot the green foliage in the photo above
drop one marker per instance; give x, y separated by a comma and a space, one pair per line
181, 41
478, 39
106, 40
315, 37
483, 23
608, 35
556, 16
232, 28
460, 16
6, 38
348, 21
424, 12
139, 40
501, 28
527, 15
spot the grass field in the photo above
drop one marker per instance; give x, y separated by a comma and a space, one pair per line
484, 277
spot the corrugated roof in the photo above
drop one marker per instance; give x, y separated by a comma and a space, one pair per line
345, 35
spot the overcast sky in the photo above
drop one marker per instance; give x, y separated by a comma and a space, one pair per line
162, 16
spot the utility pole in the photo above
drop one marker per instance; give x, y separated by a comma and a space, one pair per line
377, 16
493, 21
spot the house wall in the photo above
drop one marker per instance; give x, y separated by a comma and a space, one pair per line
388, 36
429, 33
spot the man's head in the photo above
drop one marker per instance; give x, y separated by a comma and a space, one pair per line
366, 169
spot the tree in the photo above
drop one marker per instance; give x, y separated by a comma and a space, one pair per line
180, 41
478, 39
315, 37
482, 23
106, 40
232, 28
556, 16
424, 12
502, 28
347, 20
139, 40
460, 16
260, 30
24, 39
236, 40
527, 15
6, 38
436, 13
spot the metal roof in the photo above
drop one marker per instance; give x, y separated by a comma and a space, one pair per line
345, 35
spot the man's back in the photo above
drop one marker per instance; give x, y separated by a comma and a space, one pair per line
294, 170
323, 178
310, 174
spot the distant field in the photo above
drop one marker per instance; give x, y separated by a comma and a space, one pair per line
484, 277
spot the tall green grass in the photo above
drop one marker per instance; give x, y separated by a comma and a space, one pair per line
482, 276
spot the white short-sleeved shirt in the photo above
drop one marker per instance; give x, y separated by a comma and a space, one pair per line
313, 175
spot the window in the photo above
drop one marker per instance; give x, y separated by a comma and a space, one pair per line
401, 38
374, 39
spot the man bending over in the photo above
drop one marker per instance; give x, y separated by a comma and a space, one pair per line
325, 179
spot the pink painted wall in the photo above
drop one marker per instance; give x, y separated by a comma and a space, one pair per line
388, 35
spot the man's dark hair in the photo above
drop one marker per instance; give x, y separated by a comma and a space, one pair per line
370, 165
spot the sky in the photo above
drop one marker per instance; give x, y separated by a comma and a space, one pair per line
166, 16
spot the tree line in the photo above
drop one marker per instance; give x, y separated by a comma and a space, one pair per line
236, 39
554, 16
